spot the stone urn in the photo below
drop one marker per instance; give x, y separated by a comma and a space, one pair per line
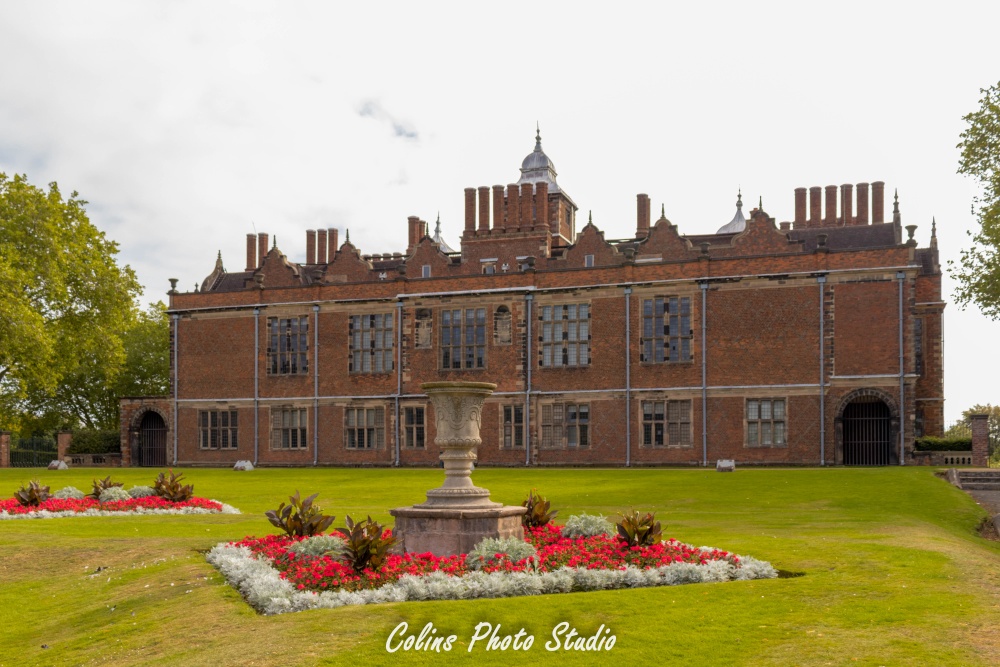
457, 514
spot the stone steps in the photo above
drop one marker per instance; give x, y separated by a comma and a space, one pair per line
979, 480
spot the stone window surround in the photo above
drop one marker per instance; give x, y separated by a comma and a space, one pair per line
783, 400
684, 417
286, 436
210, 423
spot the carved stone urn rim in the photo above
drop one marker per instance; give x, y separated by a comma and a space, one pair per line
458, 384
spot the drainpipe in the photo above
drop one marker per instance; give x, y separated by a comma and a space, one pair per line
704, 377
628, 377
316, 384
399, 368
177, 321
527, 390
822, 375
900, 276
256, 385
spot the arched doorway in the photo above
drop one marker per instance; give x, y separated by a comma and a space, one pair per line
151, 449
867, 431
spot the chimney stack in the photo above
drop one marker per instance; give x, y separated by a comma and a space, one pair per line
642, 215
470, 212
331, 248
310, 246
816, 206
862, 203
878, 202
321, 245
513, 207
831, 206
262, 245
484, 207
800, 208
542, 205
251, 252
498, 217
526, 200
847, 203
413, 233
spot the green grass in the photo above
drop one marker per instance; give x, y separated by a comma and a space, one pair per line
893, 574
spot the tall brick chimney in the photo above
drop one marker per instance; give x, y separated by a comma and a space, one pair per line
310, 246
513, 207
321, 246
862, 203
642, 215
263, 248
526, 200
847, 203
542, 205
413, 229
484, 208
470, 213
251, 252
498, 217
831, 206
331, 244
800, 208
815, 206
878, 201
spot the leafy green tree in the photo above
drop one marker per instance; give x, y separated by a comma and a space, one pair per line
963, 427
64, 301
978, 271
90, 395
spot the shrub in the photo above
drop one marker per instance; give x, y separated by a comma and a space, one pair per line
368, 543
141, 491
113, 493
538, 513
953, 444
69, 493
170, 488
638, 530
100, 485
300, 518
493, 550
33, 494
587, 525
321, 545
92, 441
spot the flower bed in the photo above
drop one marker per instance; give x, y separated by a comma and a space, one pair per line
274, 579
63, 507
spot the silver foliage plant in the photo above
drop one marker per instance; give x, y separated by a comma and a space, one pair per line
485, 553
114, 493
93, 511
587, 525
141, 492
268, 593
68, 493
321, 545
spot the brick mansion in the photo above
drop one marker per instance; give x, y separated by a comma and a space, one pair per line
816, 341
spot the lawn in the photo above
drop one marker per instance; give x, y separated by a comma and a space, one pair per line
892, 572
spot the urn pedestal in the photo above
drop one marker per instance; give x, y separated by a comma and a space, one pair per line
457, 514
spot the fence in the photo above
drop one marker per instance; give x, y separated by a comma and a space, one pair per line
34, 452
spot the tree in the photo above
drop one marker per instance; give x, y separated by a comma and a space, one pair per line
963, 427
64, 301
978, 272
90, 395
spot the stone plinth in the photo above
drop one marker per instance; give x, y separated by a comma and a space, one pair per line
458, 514
448, 532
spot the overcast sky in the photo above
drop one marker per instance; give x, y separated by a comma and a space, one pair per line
187, 125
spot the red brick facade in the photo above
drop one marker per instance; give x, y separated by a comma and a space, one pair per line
777, 332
